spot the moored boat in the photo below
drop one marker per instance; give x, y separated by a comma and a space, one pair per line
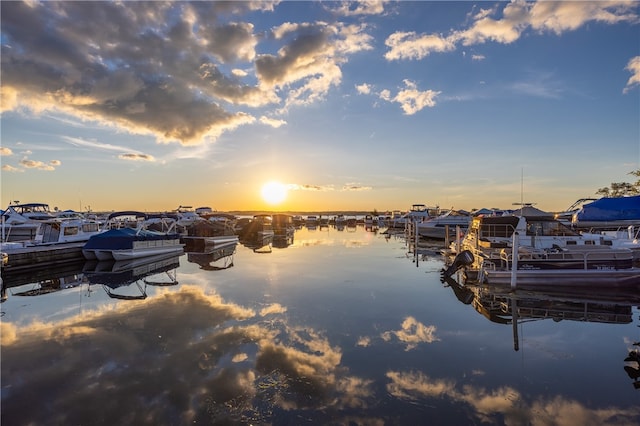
122, 243
21, 222
541, 251
437, 227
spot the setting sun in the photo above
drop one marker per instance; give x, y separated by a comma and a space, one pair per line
274, 192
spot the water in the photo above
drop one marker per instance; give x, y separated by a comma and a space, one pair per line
336, 328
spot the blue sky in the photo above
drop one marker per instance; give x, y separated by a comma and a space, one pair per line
359, 105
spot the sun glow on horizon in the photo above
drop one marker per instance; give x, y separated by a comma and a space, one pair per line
274, 192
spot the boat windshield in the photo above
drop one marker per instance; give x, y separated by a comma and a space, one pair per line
549, 228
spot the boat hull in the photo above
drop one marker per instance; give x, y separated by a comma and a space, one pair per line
567, 277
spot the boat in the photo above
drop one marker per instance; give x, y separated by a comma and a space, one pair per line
122, 243
352, 221
214, 231
539, 251
370, 221
608, 213
417, 213
261, 225
311, 221
20, 222
55, 241
283, 225
444, 225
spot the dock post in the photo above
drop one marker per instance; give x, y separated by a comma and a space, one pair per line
415, 241
514, 259
514, 323
446, 236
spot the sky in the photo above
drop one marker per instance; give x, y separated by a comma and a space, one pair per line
363, 106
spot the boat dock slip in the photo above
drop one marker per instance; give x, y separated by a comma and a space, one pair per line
36, 256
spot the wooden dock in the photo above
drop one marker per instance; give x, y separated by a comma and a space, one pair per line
42, 255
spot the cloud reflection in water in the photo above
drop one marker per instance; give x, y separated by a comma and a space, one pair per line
184, 356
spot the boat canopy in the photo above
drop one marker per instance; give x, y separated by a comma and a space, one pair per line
610, 209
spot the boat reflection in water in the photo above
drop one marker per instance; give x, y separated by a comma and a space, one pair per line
211, 258
259, 243
123, 274
502, 305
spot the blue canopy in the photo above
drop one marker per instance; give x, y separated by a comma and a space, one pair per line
610, 209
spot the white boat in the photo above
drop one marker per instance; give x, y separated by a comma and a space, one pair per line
56, 241
186, 216
539, 251
437, 227
123, 243
417, 213
20, 222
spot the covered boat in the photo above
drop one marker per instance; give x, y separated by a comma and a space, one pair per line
609, 213
129, 243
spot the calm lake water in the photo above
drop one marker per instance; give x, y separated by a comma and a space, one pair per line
331, 327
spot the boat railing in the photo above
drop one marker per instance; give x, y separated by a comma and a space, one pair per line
584, 255
495, 230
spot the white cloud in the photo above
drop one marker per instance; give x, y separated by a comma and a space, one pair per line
355, 8
9, 168
137, 157
39, 165
633, 66
272, 122
363, 89
409, 45
5, 152
410, 98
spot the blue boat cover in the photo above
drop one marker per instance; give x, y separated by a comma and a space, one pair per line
122, 239
610, 209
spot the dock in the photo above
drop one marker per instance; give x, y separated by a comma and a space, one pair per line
24, 257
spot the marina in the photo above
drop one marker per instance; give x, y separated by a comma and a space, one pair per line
356, 213
333, 326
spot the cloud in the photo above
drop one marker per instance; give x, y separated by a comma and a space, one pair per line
634, 68
355, 187
307, 187
478, 57
517, 17
136, 157
275, 123
410, 98
363, 89
39, 165
357, 8
409, 45
9, 168
539, 85
172, 70
128, 153
309, 62
5, 152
